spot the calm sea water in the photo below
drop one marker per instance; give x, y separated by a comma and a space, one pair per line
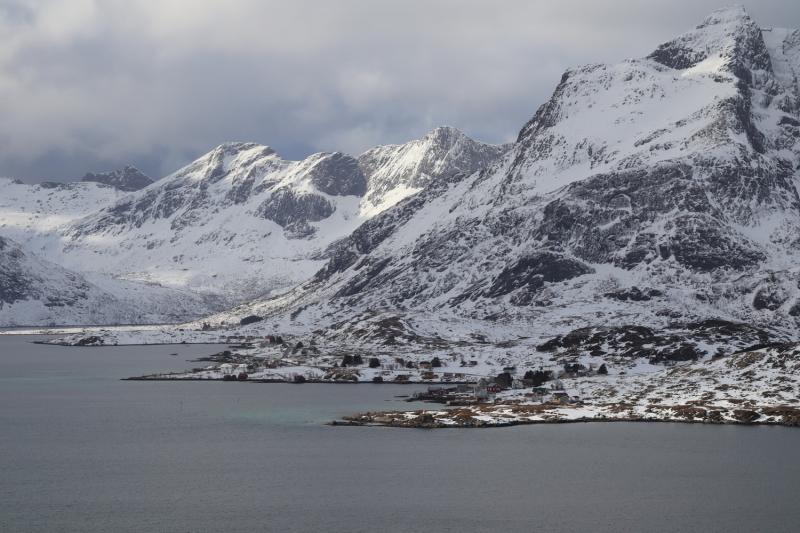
82, 451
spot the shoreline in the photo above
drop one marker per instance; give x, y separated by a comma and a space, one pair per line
497, 416
127, 344
349, 423
308, 381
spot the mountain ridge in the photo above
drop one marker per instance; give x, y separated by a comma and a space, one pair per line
237, 223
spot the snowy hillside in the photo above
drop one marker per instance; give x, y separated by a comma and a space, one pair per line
37, 292
30, 211
658, 192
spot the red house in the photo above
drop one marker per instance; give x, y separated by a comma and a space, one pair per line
493, 388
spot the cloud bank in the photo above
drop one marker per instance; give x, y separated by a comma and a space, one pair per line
93, 85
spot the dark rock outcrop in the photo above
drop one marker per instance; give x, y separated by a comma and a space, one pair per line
127, 179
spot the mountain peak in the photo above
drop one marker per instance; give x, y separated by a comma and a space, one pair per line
445, 132
728, 34
233, 148
725, 15
128, 179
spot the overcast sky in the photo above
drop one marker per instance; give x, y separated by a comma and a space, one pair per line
94, 85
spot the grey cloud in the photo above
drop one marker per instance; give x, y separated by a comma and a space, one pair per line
156, 84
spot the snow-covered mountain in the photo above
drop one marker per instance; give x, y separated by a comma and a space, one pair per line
127, 179
235, 224
658, 192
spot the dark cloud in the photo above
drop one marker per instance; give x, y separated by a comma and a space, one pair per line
90, 86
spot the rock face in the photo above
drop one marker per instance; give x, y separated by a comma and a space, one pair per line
128, 179
675, 173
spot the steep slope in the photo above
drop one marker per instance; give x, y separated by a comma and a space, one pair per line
656, 190
37, 292
128, 179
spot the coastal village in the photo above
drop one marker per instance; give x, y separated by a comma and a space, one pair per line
270, 358
479, 393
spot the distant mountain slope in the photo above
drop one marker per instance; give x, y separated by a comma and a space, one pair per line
652, 191
29, 212
37, 292
128, 179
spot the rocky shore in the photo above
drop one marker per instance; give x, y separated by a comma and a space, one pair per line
503, 415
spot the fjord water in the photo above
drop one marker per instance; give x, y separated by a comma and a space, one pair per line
82, 451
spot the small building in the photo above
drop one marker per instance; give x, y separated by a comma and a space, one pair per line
473, 363
519, 383
427, 375
493, 388
510, 369
425, 364
402, 377
561, 397
377, 379
435, 391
